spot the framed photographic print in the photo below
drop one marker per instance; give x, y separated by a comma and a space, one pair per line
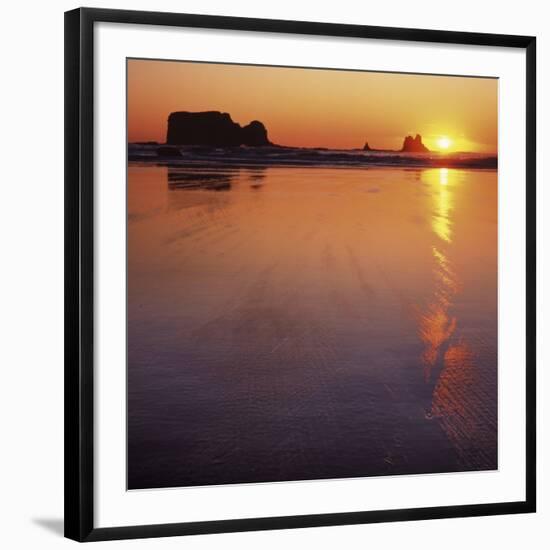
300, 274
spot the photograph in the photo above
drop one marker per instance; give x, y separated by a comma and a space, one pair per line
312, 273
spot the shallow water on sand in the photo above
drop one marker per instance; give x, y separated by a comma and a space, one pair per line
308, 323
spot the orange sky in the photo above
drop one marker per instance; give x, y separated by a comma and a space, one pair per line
315, 107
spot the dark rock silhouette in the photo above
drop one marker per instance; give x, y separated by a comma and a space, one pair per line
214, 129
255, 134
414, 145
410, 145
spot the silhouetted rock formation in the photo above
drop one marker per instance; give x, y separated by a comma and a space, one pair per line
214, 129
414, 145
366, 147
255, 134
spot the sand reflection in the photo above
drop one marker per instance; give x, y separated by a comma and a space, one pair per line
443, 198
214, 180
436, 322
437, 325
449, 364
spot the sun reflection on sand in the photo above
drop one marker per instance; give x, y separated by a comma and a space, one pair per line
436, 324
441, 220
443, 358
449, 362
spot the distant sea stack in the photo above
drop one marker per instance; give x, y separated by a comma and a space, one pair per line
366, 147
414, 145
213, 129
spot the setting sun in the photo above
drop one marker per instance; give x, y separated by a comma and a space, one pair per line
444, 142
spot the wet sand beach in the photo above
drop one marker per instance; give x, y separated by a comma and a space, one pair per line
293, 323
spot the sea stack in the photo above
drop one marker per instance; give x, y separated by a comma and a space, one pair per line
366, 147
213, 129
414, 145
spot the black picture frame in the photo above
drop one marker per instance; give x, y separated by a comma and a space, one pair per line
79, 270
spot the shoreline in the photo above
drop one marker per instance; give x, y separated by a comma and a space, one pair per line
264, 157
